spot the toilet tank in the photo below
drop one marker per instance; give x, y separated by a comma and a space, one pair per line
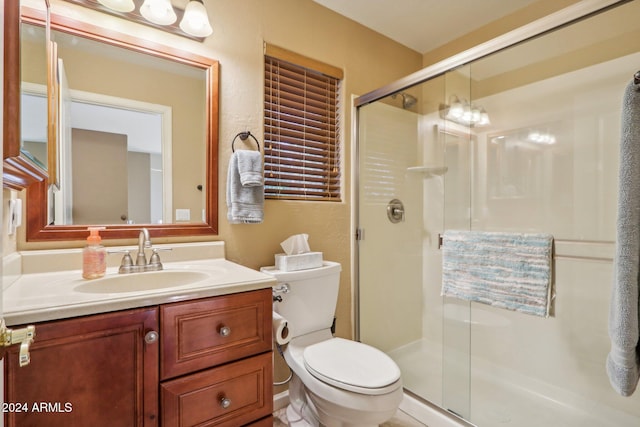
310, 304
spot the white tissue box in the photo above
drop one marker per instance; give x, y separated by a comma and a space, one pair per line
298, 262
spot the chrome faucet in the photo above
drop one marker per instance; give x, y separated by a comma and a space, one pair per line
144, 241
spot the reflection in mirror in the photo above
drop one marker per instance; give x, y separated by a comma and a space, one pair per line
33, 129
137, 138
33, 94
128, 144
128, 98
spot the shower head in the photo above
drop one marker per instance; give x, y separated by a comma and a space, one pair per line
408, 100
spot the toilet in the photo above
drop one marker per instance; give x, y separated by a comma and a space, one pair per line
335, 382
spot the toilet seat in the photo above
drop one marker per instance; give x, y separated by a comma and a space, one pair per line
352, 366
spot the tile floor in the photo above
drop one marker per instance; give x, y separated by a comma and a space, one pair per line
399, 420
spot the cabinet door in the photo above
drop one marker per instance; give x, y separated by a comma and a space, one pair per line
200, 334
87, 371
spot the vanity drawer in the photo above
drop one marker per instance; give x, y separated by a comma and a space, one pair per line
200, 334
231, 395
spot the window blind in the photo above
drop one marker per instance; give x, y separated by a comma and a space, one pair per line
301, 134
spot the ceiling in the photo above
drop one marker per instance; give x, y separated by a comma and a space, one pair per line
424, 25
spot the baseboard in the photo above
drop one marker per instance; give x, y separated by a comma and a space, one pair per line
280, 400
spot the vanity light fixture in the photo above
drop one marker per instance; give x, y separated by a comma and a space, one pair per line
192, 22
465, 113
543, 138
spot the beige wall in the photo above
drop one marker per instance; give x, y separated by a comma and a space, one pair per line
528, 14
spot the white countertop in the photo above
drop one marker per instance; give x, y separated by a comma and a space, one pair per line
37, 297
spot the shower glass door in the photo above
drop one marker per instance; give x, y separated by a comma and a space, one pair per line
403, 156
548, 163
545, 162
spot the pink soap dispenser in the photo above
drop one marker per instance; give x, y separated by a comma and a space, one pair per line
94, 255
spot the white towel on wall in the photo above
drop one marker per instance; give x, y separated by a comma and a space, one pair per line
245, 189
250, 168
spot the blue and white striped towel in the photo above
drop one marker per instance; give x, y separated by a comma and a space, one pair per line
507, 270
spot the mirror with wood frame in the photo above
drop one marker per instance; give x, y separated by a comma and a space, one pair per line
52, 217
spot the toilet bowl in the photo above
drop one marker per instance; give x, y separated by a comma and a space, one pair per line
335, 382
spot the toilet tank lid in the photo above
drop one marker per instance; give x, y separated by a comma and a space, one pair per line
328, 267
352, 366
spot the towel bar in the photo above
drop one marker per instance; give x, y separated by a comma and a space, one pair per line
567, 257
243, 136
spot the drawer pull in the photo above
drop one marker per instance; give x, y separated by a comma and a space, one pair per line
225, 403
151, 337
224, 331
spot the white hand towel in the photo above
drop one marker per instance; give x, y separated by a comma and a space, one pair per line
250, 168
245, 203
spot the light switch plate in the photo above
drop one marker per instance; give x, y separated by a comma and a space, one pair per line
183, 215
14, 215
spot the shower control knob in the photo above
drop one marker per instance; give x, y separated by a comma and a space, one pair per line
224, 331
395, 211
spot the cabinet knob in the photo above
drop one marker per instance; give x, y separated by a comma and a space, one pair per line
151, 337
224, 331
225, 403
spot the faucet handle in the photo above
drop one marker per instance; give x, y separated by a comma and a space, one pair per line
154, 261
126, 265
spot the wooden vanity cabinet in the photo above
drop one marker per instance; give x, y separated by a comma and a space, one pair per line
87, 371
214, 356
220, 350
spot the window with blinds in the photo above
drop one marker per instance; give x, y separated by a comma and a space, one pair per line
301, 127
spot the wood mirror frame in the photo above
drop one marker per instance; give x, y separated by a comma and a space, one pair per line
37, 192
18, 171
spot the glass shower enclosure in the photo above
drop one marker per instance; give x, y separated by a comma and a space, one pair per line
525, 139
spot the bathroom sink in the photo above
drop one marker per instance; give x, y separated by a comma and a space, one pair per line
137, 282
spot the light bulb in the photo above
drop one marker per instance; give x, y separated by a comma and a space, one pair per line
195, 20
533, 136
467, 115
118, 5
484, 118
475, 115
158, 11
455, 111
